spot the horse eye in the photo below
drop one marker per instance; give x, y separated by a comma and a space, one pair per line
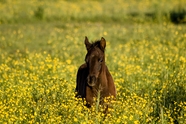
100, 60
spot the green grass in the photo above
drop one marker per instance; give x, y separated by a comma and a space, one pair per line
105, 11
41, 50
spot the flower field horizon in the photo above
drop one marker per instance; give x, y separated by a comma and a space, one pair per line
39, 60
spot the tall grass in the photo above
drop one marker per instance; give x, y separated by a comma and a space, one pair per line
105, 11
40, 57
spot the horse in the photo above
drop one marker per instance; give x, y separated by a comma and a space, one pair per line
93, 77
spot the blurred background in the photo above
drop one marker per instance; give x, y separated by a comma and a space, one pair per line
24, 11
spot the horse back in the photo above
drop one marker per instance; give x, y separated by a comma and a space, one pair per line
81, 80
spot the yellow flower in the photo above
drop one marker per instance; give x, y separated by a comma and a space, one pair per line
136, 122
75, 119
68, 61
131, 117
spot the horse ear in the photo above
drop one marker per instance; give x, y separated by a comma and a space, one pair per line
103, 43
87, 43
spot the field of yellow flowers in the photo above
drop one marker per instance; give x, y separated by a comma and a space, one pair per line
42, 46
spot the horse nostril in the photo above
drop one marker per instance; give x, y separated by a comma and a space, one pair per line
92, 80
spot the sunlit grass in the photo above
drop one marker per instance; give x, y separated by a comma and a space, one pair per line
36, 87
105, 10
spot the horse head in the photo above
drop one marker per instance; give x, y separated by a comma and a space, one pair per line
95, 59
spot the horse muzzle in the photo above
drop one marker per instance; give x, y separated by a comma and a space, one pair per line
92, 80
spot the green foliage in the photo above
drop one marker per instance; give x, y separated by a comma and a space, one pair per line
178, 15
39, 13
103, 11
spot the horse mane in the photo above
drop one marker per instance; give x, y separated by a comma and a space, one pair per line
97, 44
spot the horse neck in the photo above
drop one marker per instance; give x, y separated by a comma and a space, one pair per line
102, 75
103, 69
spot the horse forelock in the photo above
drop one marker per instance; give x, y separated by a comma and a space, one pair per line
96, 44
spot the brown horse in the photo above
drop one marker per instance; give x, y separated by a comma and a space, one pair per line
93, 76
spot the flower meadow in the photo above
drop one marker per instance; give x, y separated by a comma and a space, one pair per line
39, 60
